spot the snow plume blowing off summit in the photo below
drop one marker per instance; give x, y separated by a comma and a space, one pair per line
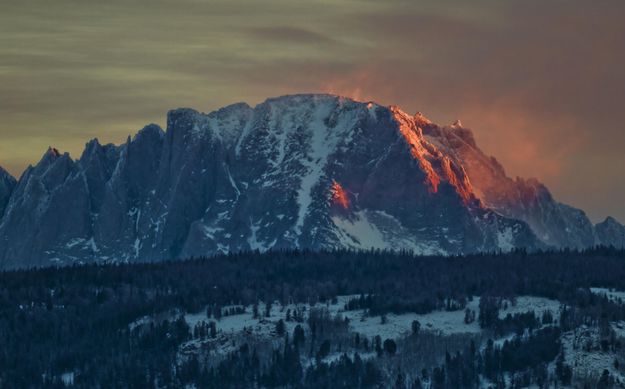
299, 171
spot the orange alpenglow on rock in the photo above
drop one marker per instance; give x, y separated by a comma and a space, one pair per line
339, 195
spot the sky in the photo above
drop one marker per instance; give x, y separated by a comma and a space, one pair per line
541, 83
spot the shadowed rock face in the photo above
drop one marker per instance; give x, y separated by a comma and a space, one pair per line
302, 171
610, 233
7, 183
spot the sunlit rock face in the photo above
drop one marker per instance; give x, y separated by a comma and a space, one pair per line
301, 171
554, 223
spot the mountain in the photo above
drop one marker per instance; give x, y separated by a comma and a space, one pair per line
299, 171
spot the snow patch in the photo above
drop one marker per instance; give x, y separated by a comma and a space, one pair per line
253, 241
379, 230
137, 246
613, 295
68, 378
505, 239
358, 232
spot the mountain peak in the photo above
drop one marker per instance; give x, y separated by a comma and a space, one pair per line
610, 232
95, 142
421, 120
178, 113
151, 130
302, 100
53, 152
5, 174
456, 124
611, 221
51, 155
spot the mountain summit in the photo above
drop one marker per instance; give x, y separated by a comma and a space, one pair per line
298, 171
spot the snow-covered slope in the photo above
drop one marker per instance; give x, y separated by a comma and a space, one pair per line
300, 171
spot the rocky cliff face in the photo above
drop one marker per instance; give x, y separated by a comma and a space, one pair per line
7, 183
302, 171
554, 223
610, 233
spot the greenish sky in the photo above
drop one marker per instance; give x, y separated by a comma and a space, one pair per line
542, 83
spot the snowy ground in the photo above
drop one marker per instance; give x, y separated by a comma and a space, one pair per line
613, 295
530, 303
245, 322
394, 327
443, 322
582, 346
234, 329
582, 351
619, 328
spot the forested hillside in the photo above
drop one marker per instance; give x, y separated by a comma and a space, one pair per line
318, 319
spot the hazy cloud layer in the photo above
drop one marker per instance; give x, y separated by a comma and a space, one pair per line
542, 83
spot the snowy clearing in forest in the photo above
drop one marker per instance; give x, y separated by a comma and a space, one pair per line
389, 326
611, 294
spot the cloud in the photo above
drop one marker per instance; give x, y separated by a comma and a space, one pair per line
282, 34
